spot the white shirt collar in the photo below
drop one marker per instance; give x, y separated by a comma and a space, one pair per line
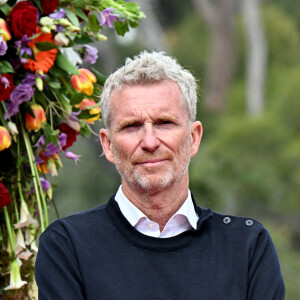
184, 219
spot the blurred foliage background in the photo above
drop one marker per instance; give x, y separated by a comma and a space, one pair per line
247, 62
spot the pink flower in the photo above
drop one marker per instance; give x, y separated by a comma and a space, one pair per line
107, 18
73, 156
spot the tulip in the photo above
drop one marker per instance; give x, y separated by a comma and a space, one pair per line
4, 31
92, 107
15, 277
34, 123
5, 140
84, 82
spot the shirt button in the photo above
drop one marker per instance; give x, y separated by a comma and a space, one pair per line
151, 226
249, 222
226, 220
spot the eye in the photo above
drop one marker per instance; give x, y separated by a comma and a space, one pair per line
165, 123
132, 126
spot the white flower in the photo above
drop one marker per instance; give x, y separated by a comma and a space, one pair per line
15, 278
2, 1
72, 56
25, 255
26, 219
12, 128
61, 39
20, 244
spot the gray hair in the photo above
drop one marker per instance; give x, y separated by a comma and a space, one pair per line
149, 68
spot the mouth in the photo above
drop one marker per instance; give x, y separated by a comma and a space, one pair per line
152, 162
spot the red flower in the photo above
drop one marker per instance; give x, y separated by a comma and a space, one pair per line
6, 86
4, 196
71, 135
49, 6
23, 19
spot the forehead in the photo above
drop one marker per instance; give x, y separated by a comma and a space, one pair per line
154, 98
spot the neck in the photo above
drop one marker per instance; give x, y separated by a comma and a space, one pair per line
159, 206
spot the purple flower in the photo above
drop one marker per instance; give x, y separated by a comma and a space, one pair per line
3, 46
90, 54
22, 44
11, 108
40, 142
51, 148
22, 93
107, 18
73, 156
29, 79
45, 184
58, 15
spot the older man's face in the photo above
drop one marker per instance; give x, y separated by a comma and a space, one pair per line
150, 139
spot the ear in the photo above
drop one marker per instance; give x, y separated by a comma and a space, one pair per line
196, 135
106, 145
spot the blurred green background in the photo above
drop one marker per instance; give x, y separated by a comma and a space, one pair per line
246, 57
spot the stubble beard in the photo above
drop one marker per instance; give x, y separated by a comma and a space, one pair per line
150, 182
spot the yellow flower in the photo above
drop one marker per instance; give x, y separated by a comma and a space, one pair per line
92, 107
84, 82
4, 31
5, 140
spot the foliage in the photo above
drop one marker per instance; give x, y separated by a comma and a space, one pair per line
47, 100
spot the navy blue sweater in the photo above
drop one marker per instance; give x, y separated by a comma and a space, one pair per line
97, 254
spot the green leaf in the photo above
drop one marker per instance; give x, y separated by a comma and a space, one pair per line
54, 85
6, 67
93, 23
65, 64
85, 131
121, 27
72, 17
41, 98
100, 77
45, 46
77, 98
81, 14
84, 39
38, 4
5, 8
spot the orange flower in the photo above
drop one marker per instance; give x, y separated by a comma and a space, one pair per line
50, 164
34, 123
84, 82
5, 140
4, 31
44, 60
92, 107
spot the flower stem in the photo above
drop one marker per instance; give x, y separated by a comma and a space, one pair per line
33, 173
9, 231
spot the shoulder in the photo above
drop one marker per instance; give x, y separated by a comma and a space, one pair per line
77, 225
237, 231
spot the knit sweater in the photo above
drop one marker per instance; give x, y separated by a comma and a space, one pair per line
97, 254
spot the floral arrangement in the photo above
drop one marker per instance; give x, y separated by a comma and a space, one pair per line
47, 98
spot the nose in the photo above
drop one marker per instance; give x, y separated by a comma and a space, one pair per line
150, 141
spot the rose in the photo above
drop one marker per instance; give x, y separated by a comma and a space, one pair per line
4, 196
49, 6
71, 135
23, 19
6, 86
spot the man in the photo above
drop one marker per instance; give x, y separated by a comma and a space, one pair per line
151, 241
